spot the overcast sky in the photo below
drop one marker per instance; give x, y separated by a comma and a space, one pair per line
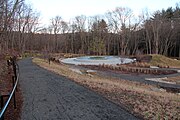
68, 9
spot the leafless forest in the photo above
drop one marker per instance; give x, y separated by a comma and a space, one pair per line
116, 32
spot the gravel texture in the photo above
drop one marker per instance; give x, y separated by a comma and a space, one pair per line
132, 76
141, 78
48, 96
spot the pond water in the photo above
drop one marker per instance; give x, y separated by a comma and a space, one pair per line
96, 60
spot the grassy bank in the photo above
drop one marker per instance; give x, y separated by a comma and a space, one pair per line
160, 60
139, 99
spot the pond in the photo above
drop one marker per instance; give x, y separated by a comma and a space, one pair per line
97, 60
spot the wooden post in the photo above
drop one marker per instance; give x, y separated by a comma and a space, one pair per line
2, 102
14, 96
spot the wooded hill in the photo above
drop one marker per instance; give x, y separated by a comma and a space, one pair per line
118, 32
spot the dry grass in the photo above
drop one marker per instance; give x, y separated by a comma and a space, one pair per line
138, 98
173, 79
160, 60
65, 55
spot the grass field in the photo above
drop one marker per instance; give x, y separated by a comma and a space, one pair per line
139, 99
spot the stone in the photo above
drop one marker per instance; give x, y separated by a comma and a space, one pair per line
92, 72
154, 67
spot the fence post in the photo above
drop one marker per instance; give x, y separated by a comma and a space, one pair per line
14, 69
2, 104
15, 79
14, 96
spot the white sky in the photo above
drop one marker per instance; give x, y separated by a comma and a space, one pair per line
68, 9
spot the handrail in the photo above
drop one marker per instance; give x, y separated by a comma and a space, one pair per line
11, 95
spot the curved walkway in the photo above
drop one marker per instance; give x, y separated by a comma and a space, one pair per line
143, 78
48, 96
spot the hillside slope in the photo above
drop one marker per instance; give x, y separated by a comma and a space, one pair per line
160, 60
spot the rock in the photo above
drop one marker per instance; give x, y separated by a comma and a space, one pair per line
154, 67
92, 72
76, 70
158, 89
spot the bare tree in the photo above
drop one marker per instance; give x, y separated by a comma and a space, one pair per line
80, 24
7, 11
56, 27
72, 30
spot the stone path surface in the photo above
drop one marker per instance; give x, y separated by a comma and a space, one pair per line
48, 96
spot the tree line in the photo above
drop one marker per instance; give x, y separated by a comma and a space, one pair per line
117, 32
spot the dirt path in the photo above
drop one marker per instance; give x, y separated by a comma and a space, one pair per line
48, 96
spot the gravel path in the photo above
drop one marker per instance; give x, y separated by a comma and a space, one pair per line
134, 77
141, 78
48, 96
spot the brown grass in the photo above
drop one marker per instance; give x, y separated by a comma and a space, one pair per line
139, 99
173, 79
160, 60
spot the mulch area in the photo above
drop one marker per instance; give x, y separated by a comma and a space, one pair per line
6, 87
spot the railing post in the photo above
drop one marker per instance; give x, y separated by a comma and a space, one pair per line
15, 80
14, 96
2, 104
14, 100
14, 69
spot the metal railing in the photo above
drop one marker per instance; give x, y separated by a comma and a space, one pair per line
12, 94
